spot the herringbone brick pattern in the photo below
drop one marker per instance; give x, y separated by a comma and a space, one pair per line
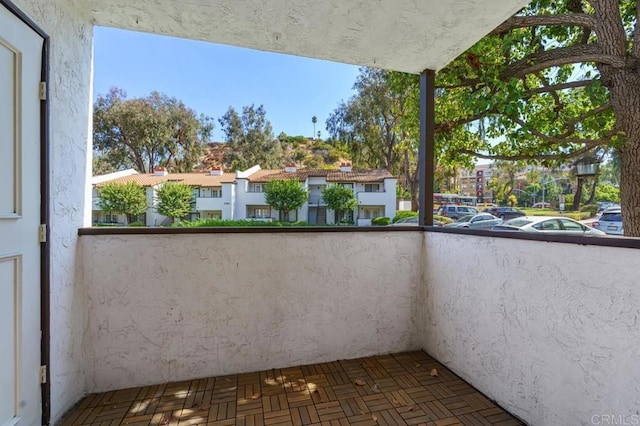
401, 389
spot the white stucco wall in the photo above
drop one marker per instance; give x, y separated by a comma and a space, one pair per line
548, 330
67, 22
173, 307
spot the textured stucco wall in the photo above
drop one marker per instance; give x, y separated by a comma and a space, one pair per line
67, 22
548, 330
175, 307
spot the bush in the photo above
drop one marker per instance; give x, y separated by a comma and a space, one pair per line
442, 219
590, 208
381, 221
235, 223
403, 214
137, 224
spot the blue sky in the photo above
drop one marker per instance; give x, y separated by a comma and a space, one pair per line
209, 78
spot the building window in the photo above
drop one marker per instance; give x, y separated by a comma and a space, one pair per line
210, 192
371, 187
256, 187
261, 212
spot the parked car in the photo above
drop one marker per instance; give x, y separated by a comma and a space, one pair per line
455, 211
544, 205
610, 222
476, 221
603, 205
549, 225
611, 208
413, 221
505, 213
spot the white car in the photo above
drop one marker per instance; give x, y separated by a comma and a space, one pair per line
550, 225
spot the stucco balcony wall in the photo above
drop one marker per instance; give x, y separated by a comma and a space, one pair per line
549, 331
174, 307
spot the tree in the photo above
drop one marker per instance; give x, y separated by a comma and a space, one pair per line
552, 83
377, 127
339, 198
127, 198
174, 200
314, 120
251, 137
143, 133
285, 196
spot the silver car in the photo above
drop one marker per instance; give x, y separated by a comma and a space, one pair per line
610, 222
477, 221
550, 225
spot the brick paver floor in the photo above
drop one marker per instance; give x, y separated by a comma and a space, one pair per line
400, 389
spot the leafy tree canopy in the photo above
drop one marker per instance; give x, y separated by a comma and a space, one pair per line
285, 196
251, 137
142, 133
126, 198
174, 200
339, 198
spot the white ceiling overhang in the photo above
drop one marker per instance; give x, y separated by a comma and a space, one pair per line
400, 35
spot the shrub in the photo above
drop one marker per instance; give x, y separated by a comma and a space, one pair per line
442, 219
590, 208
381, 221
137, 224
403, 214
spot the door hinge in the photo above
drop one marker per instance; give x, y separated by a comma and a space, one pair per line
42, 233
43, 374
43, 91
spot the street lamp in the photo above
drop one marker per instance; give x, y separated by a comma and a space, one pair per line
587, 165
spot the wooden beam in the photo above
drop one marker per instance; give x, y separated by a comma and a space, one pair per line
427, 146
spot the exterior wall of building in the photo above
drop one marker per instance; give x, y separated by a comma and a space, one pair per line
214, 304
548, 330
68, 24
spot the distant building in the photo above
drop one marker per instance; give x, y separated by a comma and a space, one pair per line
475, 182
240, 195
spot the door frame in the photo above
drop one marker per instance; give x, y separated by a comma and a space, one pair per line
44, 211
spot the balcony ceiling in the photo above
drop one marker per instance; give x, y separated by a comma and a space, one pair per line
401, 35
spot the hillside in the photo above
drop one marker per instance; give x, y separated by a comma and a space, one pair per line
306, 153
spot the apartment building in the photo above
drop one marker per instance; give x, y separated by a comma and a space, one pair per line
240, 195
475, 182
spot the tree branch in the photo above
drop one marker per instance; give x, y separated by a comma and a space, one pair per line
550, 58
568, 19
550, 157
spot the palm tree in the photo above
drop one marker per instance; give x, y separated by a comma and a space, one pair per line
314, 120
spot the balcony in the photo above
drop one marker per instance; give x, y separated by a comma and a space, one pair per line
545, 335
316, 199
209, 203
374, 198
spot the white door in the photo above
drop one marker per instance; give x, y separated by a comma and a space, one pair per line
20, 62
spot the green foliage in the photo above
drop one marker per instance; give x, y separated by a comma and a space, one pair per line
592, 209
137, 224
512, 200
285, 196
126, 198
143, 133
443, 219
236, 223
339, 198
606, 192
174, 200
251, 138
403, 214
381, 221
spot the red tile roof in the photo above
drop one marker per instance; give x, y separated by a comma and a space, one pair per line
191, 179
331, 175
